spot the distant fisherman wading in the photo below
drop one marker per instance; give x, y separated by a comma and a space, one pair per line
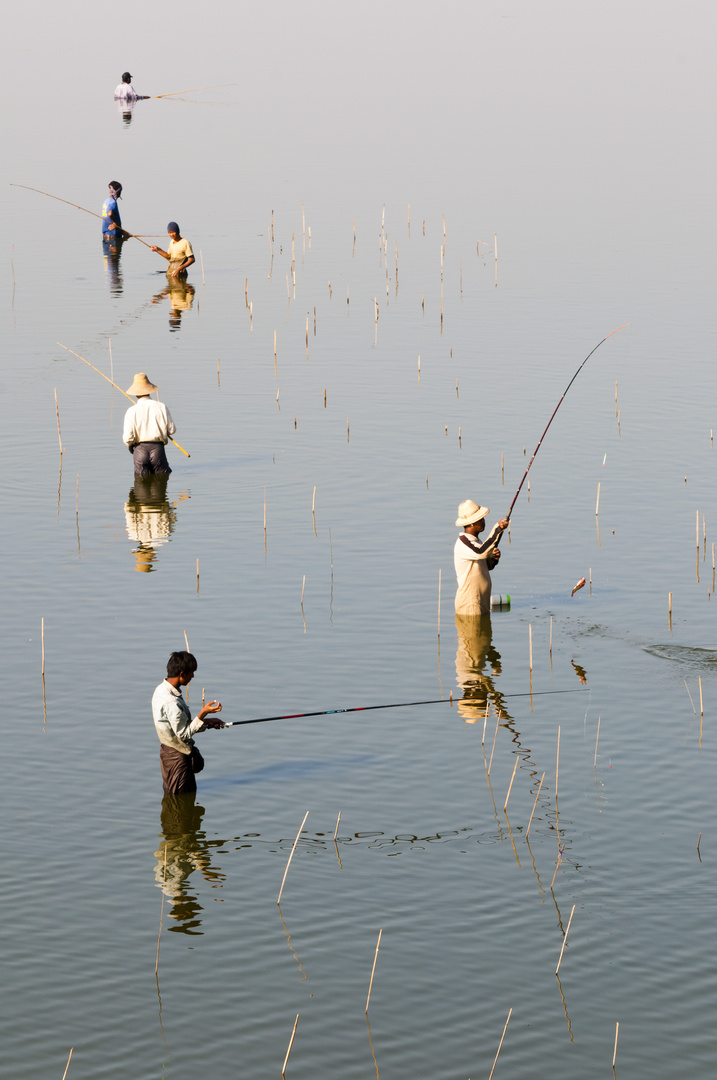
147, 428
474, 559
179, 252
178, 756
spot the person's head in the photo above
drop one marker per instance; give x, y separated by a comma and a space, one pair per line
115, 189
126, 77
181, 663
173, 230
471, 516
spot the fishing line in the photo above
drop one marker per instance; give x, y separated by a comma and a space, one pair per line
535, 452
395, 705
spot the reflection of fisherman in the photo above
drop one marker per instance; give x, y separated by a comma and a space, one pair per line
111, 221
475, 650
473, 559
178, 755
179, 252
185, 848
181, 295
147, 428
150, 518
111, 250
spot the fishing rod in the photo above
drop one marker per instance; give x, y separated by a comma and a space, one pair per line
134, 236
396, 705
115, 386
196, 88
525, 474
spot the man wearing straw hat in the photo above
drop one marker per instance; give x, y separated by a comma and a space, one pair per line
147, 428
473, 560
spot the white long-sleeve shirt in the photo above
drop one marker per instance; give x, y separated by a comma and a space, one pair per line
173, 720
126, 91
470, 557
147, 421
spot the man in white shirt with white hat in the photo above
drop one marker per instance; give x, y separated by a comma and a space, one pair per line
147, 429
474, 559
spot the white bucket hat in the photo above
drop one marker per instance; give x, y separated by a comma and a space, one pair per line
470, 512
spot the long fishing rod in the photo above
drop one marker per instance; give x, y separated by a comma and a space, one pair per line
196, 88
115, 386
134, 236
525, 474
396, 705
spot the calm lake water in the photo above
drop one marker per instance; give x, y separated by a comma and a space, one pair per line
574, 144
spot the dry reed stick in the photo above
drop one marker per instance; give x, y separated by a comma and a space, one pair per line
505, 804
557, 763
530, 645
597, 501
614, 1053
373, 969
596, 744
59, 433
534, 805
694, 710
565, 940
698, 844
291, 1043
42, 633
68, 1063
246, 290
699, 679
497, 722
185, 640
551, 635
669, 605
313, 501
161, 910
336, 830
500, 1044
197, 576
291, 856
303, 586
697, 530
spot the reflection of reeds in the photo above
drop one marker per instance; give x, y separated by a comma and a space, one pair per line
373, 969
161, 910
557, 763
59, 433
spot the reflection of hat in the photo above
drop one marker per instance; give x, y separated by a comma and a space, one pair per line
144, 557
470, 512
141, 387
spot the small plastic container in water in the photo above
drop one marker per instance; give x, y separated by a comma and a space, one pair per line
500, 602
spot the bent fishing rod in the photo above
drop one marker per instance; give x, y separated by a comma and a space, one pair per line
194, 90
135, 236
525, 474
395, 705
115, 386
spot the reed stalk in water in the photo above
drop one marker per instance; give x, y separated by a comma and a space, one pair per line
291, 856
291, 1043
500, 1044
565, 940
534, 806
373, 969
505, 804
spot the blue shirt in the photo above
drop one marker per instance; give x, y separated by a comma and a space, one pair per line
110, 213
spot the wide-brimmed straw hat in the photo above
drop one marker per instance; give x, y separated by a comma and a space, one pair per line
141, 387
470, 512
